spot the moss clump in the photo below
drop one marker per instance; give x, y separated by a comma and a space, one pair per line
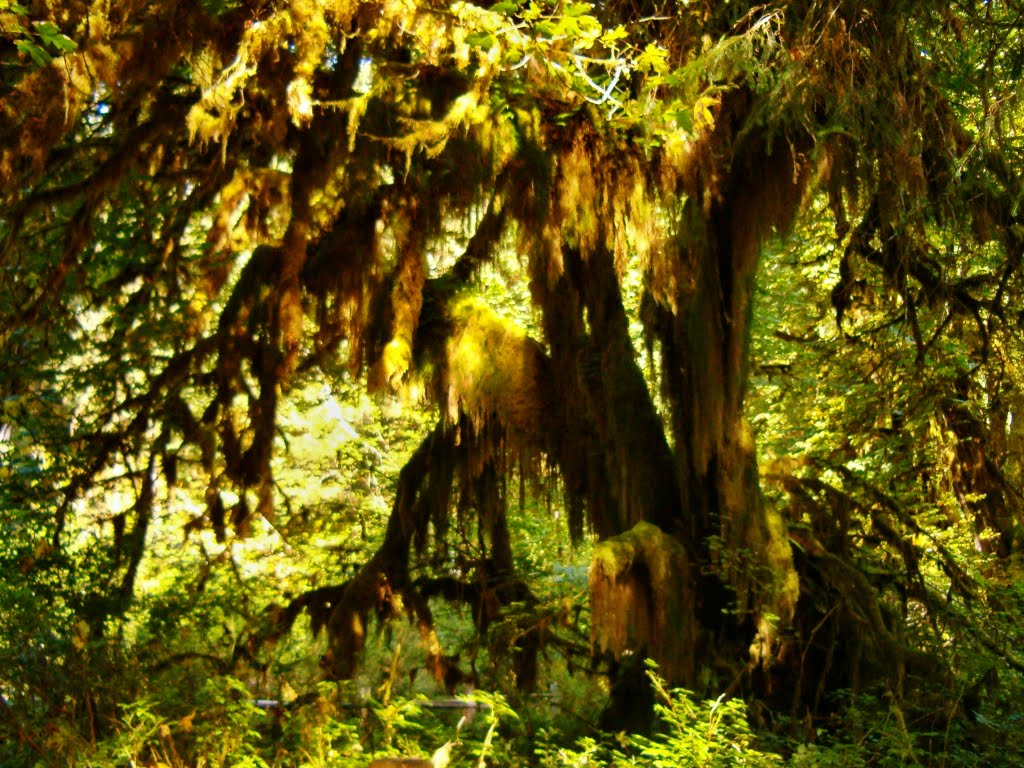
640, 602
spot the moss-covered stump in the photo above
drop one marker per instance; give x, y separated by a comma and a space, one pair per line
641, 603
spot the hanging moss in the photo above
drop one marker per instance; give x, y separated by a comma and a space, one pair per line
640, 601
494, 371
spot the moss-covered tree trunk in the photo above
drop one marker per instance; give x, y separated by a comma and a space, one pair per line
705, 369
692, 474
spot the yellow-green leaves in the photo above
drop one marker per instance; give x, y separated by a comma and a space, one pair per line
480, 39
40, 40
613, 36
654, 58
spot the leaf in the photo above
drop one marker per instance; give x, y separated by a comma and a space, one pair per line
575, 10
64, 43
38, 55
547, 28
702, 114
612, 36
506, 7
186, 723
81, 636
654, 58
589, 26
51, 35
480, 39
532, 12
684, 119
46, 29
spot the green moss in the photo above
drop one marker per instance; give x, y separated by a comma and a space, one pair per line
641, 601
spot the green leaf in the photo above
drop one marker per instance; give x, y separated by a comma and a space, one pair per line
654, 58
505, 7
612, 36
46, 29
480, 39
575, 10
39, 56
684, 119
50, 34
547, 28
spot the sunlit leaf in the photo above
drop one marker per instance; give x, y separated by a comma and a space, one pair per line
37, 54
507, 7
480, 39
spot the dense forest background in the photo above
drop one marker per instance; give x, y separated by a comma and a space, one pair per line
538, 383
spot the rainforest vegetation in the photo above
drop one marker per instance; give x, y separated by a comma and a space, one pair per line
626, 382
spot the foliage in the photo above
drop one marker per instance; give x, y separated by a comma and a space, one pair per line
691, 733
39, 42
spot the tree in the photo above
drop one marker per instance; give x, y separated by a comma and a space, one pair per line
205, 202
